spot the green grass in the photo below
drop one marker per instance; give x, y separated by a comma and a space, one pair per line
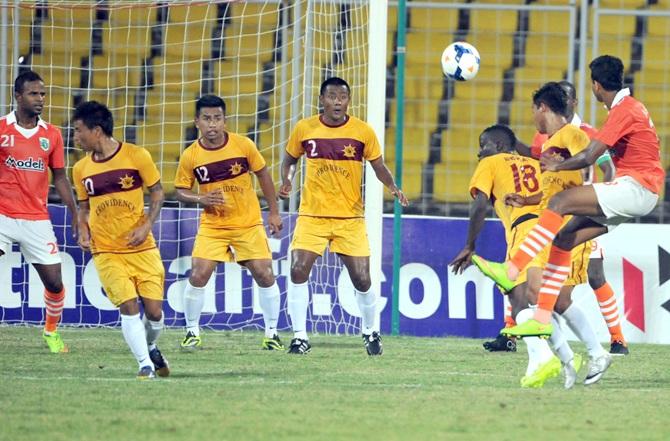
421, 389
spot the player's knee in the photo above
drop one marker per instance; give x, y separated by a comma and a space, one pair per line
562, 304
153, 313
557, 204
361, 282
53, 286
299, 272
198, 278
564, 241
265, 278
596, 278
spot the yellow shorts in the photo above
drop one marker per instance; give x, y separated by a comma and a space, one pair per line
579, 263
515, 238
127, 276
343, 236
221, 245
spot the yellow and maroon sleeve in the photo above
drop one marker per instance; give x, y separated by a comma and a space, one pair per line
184, 177
256, 160
77, 177
146, 167
294, 146
482, 178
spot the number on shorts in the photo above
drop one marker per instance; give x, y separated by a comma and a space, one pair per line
312, 145
53, 248
529, 178
203, 173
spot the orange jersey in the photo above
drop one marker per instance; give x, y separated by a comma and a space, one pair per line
224, 168
504, 173
634, 144
566, 142
114, 189
25, 156
335, 163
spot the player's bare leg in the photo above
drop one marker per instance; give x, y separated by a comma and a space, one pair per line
269, 298
136, 338
194, 300
54, 300
359, 272
302, 262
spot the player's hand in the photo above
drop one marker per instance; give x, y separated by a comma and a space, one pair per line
212, 199
395, 191
275, 223
139, 235
84, 240
285, 190
461, 261
514, 200
548, 163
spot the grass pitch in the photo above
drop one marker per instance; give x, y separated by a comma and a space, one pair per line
420, 389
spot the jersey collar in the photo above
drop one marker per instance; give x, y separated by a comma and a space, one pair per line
620, 95
11, 119
576, 120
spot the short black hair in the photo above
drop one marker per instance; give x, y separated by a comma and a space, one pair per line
209, 101
25, 77
608, 71
569, 88
553, 96
94, 114
503, 133
334, 81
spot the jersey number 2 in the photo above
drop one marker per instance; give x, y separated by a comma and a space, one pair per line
529, 179
6, 140
312, 145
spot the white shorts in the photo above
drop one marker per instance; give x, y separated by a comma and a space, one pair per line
35, 237
596, 250
623, 199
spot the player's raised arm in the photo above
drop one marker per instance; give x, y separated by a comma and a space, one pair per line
384, 175
585, 158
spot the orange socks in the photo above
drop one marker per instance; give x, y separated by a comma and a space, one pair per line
554, 275
539, 237
54, 302
610, 311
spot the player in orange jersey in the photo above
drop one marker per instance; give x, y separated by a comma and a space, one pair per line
29, 147
114, 227
631, 138
231, 228
596, 272
335, 146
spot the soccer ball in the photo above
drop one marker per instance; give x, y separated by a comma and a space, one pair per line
460, 61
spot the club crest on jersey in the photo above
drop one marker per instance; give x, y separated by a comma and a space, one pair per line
29, 164
44, 144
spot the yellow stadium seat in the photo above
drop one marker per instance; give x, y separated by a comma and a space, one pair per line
451, 181
548, 22
250, 44
500, 21
655, 53
529, 79
412, 177
418, 113
465, 112
481, 89
657, 26
424, 80
432, 19
425, 47
195, 13
620, 25
415, 146
547, 49
190, 41
496, 51
461, 144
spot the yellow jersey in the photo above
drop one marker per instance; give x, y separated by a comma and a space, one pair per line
565, 143
226, 168
504, 173
335, 159
114, 189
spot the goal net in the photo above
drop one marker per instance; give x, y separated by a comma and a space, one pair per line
149, 62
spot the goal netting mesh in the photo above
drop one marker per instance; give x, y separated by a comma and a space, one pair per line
149, 62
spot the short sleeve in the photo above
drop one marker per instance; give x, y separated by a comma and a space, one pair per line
372, 149
77, 177
256, 160
57, 155
294, 146
482, 179
184, 177
616, 126
580, 140
146, 167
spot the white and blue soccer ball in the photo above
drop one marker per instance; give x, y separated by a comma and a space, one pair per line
460, 61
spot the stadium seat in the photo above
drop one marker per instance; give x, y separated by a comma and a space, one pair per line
415, 144
451, 181
466, 112
412, 177
195, 13
432, 19
461, 145
424, 81
500, 21
189, 41
418, 113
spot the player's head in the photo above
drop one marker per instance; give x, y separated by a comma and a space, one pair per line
572, 96
606, 75
30, 93
334, 97
210, 118
496, 139
93, 122
549, 100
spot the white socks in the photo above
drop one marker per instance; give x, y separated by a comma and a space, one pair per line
269, 299
298, 301
194, 300
560, 343
367, 303
153, 331
136, 338
538, 349
576, 319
